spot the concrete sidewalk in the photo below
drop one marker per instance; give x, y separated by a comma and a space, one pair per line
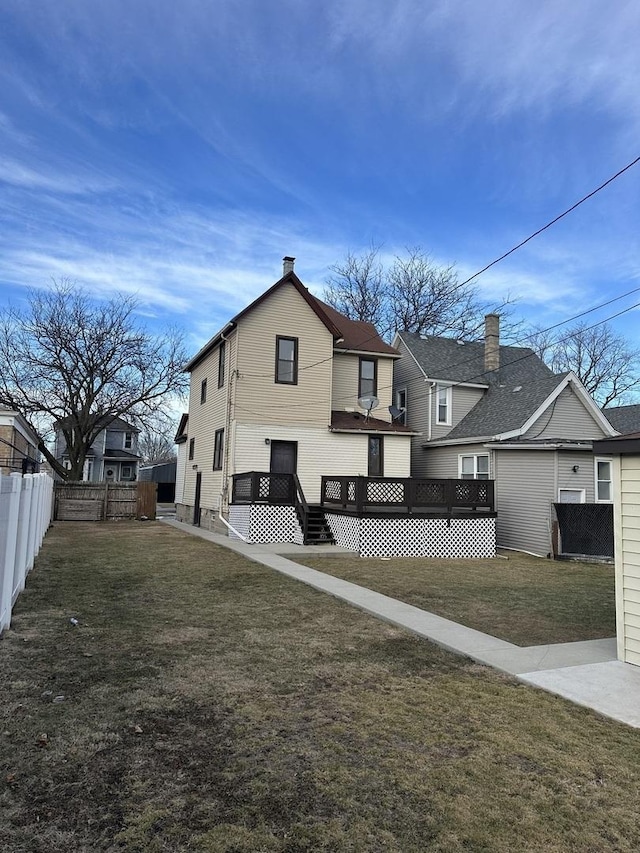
586, 673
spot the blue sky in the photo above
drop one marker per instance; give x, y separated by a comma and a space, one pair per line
178, 150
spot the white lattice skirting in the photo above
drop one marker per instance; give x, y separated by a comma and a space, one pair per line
461, 538
260, 524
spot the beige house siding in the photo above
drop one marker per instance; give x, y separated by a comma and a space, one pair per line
181, 468
320, 452
258, 397
346, 368
566, 416
204, 419
627, 537
525, 492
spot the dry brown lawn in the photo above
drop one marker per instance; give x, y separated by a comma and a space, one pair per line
526, 600
205, 703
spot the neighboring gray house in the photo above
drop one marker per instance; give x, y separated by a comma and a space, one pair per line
113, 455
625, 419
487, 411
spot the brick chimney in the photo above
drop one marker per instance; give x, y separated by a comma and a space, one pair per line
491, 342
287, 264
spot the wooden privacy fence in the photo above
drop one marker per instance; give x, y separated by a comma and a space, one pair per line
109, 501
25, 515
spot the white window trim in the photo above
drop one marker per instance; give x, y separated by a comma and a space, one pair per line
475, 457
124, 440
581, 492
447, 389
596, 480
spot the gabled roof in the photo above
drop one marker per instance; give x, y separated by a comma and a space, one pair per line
348, 334
507, 410
106, 422
452, 361
626, 419
356, 422
504, 409
181, 432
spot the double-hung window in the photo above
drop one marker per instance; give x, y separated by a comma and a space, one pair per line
218, 449
203, 391
603, 480
443, 404
368, 377
474, 467
192, 447
286, 360
128, 440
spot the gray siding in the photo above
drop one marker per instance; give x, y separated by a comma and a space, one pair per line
567, 417
462, 401
583, 478
442, 462
407, 374
525, 491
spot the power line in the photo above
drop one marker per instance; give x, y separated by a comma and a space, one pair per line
553, 222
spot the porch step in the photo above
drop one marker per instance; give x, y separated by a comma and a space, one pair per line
318, 530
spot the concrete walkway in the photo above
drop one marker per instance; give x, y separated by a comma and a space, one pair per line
586, 673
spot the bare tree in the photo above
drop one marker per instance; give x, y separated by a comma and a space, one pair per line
357, 287
603, 360
155, 442
412, 294
68, 361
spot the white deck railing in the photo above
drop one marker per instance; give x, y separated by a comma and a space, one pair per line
25, 514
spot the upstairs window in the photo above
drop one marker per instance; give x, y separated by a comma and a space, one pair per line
218, 449
287, 360
192, 447
603, 481
128, 440
368, 377
474, 467
443, 404
203, 391
221, 364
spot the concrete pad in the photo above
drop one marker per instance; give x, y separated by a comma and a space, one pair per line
520, 659
611, 688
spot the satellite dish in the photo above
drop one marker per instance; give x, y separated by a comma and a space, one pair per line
368, 403
395, 412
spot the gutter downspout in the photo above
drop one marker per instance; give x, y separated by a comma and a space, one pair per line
231, 528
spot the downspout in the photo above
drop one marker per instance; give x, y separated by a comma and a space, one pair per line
432, 385
226, 523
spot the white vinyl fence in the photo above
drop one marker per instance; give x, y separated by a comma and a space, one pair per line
25, 515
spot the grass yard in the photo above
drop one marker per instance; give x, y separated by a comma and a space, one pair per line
205, 703
525, 600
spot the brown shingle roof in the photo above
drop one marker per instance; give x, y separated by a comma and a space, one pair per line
354, 421
352, 334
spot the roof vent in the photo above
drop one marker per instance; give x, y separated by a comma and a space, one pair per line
517, 388
287, 264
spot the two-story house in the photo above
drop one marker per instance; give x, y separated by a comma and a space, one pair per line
287, 386
113, 454
486, 411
